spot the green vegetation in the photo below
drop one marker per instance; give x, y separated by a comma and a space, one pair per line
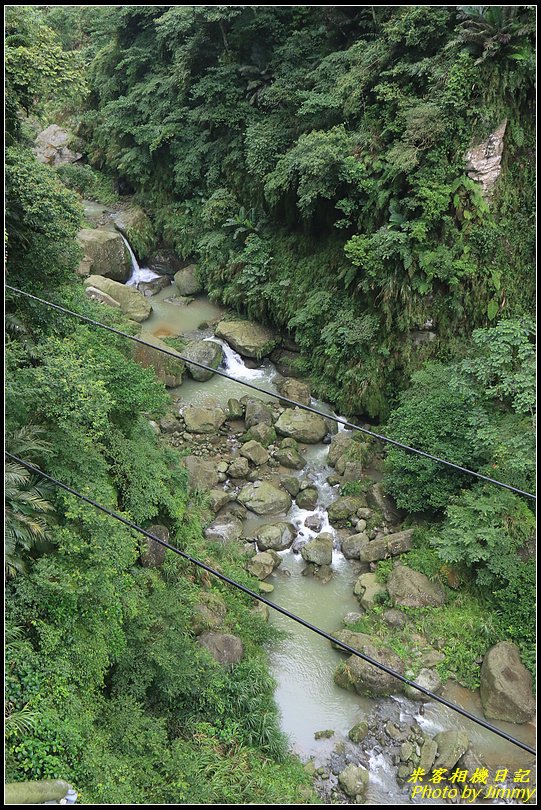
311, 162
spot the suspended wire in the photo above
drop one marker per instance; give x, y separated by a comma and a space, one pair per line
277, 608
338, 420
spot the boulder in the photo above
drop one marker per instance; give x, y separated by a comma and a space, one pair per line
352, 639
291, 484
318, 550
52, 147
387, 546
207, 352
275, 536
261, 565
203, 419
307, 498
351, 546
314, 523
234, 409
354, 782
368, 590
217, 499
428, 678
168, 370
506, 685
202, 473
295, 390
366, 679
378, 499
154, 553
225, 528
247, 338
226, 649
264, 498
101, 297
187, 281
290, 458
132, 303
105, 254
170, 424
164, 261
262, 433
239, 468
209, 613
410, 588
255, 453
154, 286
349, 470
138, 230
257, 412
340, 443
358, 732
342, 509
303, 426
286, 362
451, 746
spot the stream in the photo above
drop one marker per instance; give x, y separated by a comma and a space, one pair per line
303, 663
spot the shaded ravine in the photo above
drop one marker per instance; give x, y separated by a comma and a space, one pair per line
303, 663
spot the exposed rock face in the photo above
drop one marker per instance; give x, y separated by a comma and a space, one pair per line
52, 147
200, 419
276, 536
381, 502
225, 528
264, 498
341, 443
187, 281
226, 649
413, 589
165, 262
367, 679
154, 553
247, 338
168, 370
255, 453
105, 254
303, 426
209, 613
354, 781
285, 362
132, 303
428, 678
202, 473
506, 685
203, 351
138, 230
318, 550
295, 390
368, 590
352, 546
483, 162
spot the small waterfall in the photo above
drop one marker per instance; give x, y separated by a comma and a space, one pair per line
234, 364
138, 274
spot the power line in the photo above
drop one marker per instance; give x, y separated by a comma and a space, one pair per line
278, 608
349, 425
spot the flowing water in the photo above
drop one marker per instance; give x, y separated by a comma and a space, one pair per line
303, 663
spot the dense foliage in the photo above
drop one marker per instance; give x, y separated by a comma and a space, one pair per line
312, 160
106, 685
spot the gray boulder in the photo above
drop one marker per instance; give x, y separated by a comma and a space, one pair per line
137, 228
217, 499
226, 649
105, 254
307, 498
506, 685
52, 147
378, 499
202, 473
344, 508
257, 412
366, 679
101, 297
410, 588
368, 590
318, 550
209, 613
201, 419
187, 281
276, 536
247, 338
167, 369
389, 545
291, 484
262, 433
303, 426
291, 458
261, 565
203, 351
132, 303
351, 546
295, 389
451, 746
483, 161
239, 467
428, 678
354, 782
255, 453
264, 498
225, 528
